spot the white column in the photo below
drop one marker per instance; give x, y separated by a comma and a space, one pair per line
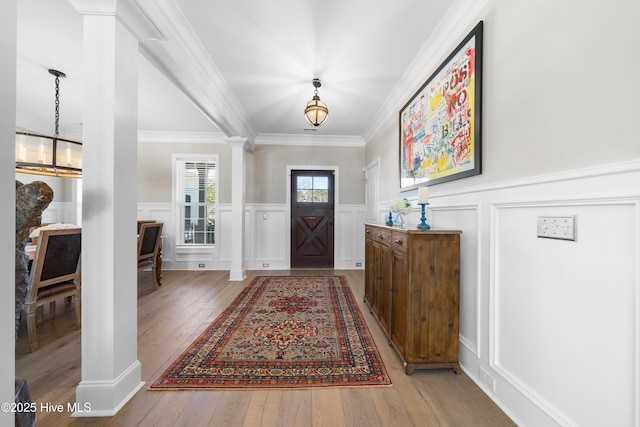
238, 145
8, 36
111, 373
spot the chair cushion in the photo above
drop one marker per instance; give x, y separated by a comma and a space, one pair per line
56, 289
146, 263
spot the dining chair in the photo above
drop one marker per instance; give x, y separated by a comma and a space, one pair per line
55, 274
144, 221
149, 239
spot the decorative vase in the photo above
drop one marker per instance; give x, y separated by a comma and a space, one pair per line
390, 220
398, 220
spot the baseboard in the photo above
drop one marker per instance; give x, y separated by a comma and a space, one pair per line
106, 398
237, 275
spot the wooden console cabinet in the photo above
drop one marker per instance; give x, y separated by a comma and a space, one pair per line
412, 287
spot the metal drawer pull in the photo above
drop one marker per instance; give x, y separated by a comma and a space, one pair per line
398, 241
379, 236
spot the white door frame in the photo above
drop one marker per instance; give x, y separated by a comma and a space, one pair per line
375, 182
336, 188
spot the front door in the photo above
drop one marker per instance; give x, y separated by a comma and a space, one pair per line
312, 195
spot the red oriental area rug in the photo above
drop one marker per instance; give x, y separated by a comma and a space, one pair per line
282, 332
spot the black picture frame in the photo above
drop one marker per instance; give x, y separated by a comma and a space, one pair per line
440, 126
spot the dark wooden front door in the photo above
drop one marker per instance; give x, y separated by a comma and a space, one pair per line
312, 195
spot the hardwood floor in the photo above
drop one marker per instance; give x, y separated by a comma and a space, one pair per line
170, 318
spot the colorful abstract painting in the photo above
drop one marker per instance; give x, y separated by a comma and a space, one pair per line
440, 137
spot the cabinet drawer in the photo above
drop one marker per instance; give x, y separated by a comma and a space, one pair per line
399, 241
378, 234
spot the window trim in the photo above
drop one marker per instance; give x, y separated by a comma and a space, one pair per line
176, 195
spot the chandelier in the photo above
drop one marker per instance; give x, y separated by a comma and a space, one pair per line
49, 156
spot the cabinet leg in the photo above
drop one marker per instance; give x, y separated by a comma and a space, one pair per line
456, 369
408, 369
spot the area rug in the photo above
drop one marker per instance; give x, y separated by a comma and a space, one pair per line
282, 332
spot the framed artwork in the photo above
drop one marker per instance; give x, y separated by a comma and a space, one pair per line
440, 138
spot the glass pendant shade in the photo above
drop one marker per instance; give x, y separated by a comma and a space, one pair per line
316, 111
48, 156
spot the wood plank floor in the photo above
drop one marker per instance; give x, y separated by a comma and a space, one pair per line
170, 318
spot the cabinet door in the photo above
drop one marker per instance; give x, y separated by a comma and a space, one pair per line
444, 300
400, 310
436, 339
375, 285
369, 273
384, 297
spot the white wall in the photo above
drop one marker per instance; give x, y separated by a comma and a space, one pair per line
554, 324
267, 240
61, 186
66, 206
267, 243
154, 180
266, 168
267, 172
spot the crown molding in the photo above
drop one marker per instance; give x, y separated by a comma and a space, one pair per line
128, 12
182, 58
26, 123
30, 124
461, 16
181, 137
312, 140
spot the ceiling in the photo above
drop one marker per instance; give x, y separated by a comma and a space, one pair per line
237, 68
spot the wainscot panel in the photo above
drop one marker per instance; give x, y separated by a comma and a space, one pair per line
465, 218
58, 212
562, 307
548, 311
266, 238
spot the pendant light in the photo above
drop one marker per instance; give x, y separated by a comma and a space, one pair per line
316, 112
46, 155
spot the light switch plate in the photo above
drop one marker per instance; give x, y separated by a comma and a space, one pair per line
557, 227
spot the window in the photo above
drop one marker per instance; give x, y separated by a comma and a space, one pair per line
312, 189
196, 178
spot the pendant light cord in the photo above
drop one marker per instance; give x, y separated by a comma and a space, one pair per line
57, 106
57, 74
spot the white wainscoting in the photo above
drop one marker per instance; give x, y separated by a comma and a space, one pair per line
59, 213
563, 308
555, 323
349, 237
266, 238
467, 219
161, 212
266, 242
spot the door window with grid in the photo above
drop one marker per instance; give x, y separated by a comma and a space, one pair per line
312, 189
196, 200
